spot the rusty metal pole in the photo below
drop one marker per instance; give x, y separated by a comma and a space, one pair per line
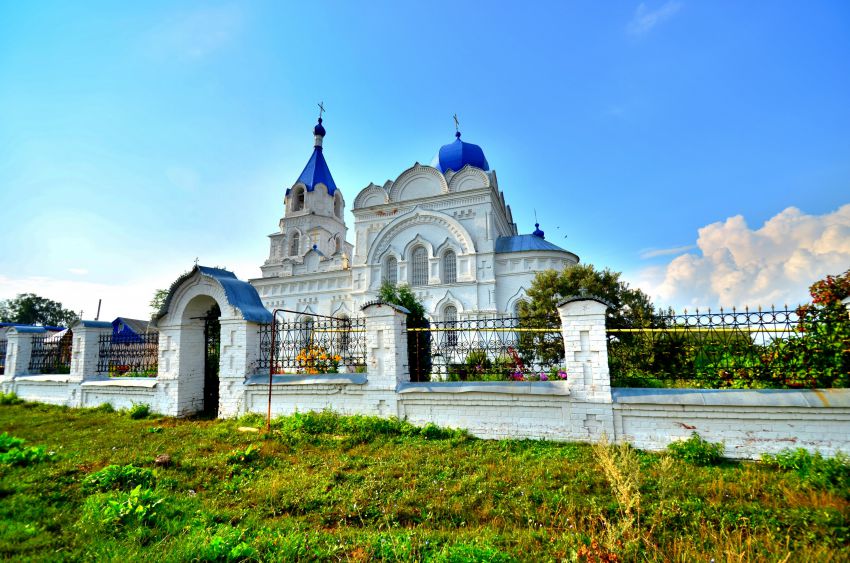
271, 371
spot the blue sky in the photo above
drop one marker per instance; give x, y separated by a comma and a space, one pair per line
667, 140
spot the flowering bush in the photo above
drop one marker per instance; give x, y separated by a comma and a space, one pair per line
315, 360
554, 374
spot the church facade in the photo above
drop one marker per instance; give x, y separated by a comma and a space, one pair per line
444, 229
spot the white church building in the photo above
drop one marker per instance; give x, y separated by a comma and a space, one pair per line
444, 230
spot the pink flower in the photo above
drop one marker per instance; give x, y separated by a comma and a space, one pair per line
543, 377
562, 374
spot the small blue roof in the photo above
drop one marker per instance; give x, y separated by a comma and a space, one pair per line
317, 172
458, 154
524, 243
240, 295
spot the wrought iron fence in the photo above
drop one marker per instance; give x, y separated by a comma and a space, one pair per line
487, 349
313, 346
51, 353
3, 344
128, 355
730, 349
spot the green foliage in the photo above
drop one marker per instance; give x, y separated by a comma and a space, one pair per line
13, 452
105, 408
157, 301
29, 308
119, 477
418, 343
813, 469
8, 442
406, 494
244, 457
696, 450
137, 507
139, 411
10, 399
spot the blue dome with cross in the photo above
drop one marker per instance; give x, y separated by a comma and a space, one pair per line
458, 154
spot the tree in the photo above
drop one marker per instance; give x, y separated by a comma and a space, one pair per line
418, 342
158, 301
29, 308
631, 308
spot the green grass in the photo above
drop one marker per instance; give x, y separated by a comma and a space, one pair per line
325, 487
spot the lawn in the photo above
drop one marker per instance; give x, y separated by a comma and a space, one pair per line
334, 488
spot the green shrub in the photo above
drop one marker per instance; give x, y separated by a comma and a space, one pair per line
139, 411
244, 457
227, 544
125, 478
13, 452
24, 456
696, 450
8, 442
138, 507
105, 407
813, 469
10, 399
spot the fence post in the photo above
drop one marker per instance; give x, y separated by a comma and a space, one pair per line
19, 350
386, 344
240, 353
586, 348
85, 348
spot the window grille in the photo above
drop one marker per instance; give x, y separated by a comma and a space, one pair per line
449, 267
391, 270
450, 316
419, 274
295, 244
298, 199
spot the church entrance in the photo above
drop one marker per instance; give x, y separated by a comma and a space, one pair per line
212, 354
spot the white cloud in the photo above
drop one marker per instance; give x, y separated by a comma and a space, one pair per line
78, 271
645, 19
655, 252
772, 265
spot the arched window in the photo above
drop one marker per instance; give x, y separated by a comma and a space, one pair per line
338, 205
391, 270
419, 266
449, 267
298, 199
343, 336
450, 316
337, 244
295, 245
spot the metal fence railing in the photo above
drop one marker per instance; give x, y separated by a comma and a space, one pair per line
313, 346
487, 349
775, 348
51, 353
128, 356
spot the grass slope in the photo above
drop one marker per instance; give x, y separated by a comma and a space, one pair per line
357, 489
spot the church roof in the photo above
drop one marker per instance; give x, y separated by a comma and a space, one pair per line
524, 243
317, 172
458, 154
240, 295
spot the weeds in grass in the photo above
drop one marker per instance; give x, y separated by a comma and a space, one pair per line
139, 411
137, 507
10, 399
621, 466
118, 477
13, 452
813, 469
697, 450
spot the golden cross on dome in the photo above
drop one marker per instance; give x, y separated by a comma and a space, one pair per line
321, 109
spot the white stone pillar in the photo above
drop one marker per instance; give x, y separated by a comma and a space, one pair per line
586, 354
240, 349
586, 348
18, 349
85, 348
386, 345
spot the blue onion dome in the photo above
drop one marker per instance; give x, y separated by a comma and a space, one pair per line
537, 232
318, 129
458, 154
